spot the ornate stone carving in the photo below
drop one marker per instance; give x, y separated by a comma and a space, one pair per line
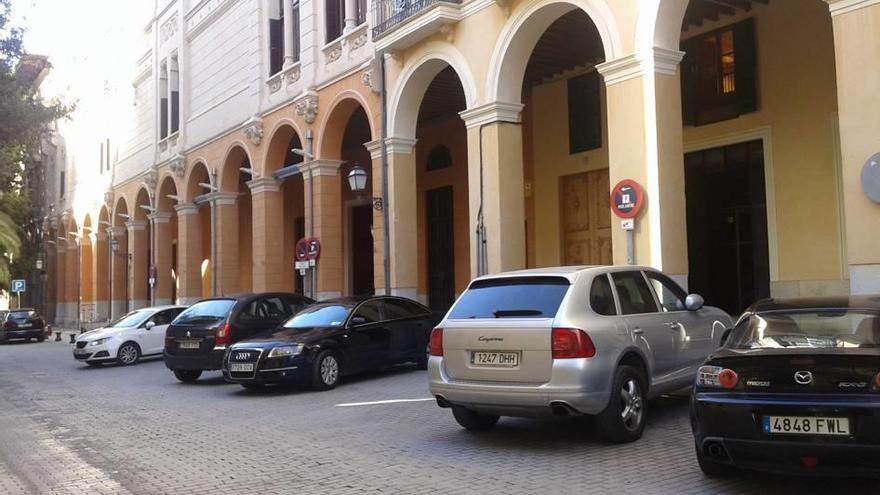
275, 84
151, 179
448, 32
334, 53
108, 198
178, 165
293, 74
253, 129
367, 78
359, 41
307, 107
168, 29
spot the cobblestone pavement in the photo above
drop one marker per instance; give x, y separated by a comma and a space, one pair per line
66, 428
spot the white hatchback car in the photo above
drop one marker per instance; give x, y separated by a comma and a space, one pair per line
138, 334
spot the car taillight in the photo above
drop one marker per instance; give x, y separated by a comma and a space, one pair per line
436, 345
223, 335
9, 325
569, 343
717, 377
877, 381
39, 322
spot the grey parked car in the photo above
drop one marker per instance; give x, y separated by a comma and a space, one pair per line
587, 340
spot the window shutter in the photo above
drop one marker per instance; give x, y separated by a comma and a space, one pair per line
688, 70
334, 19
584, 113
276, 45
746, 66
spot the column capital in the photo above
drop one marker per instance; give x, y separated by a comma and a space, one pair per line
100, 236
320, 168
160, 217
375, 149
838, 7
659, 60
115, 231
399, 145
263, 184
221, 198
186, 209
490, 113
135, 225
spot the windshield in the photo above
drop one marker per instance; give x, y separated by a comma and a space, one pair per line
521, 297
319, 316
131, 320
812, 329
211, 310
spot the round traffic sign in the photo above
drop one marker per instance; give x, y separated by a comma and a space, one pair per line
627, 198
302, 249
314, 248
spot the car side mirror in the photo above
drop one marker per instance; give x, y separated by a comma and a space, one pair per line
693, 302
150, 325
724, 336
358, 320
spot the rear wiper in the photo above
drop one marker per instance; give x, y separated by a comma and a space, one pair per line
509, 313
199, 318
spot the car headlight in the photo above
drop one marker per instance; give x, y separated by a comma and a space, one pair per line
287, 350
98, 342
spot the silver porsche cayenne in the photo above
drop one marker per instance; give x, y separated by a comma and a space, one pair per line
590, 340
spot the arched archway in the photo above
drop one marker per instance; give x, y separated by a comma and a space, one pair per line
284, 214
166, 235
119, 253
195, 229
232, 207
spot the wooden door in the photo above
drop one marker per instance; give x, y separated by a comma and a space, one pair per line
440, 245
586, 218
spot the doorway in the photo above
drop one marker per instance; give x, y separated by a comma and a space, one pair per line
728, 249
362, 249
440, 244
586, 218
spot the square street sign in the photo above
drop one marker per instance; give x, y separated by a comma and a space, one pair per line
18, 285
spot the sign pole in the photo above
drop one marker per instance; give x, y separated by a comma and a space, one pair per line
19, 299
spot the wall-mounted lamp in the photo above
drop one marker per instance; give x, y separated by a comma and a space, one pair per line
357, 181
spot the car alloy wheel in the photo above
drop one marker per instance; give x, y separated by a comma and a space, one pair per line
632, 411
329, 370
128, 354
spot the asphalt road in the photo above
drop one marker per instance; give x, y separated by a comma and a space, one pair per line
67, 428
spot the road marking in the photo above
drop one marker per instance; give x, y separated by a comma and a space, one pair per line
379, 402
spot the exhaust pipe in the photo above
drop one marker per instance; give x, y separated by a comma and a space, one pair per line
442, 402
563, 409
715, 450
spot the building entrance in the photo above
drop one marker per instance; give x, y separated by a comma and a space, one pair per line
586, 218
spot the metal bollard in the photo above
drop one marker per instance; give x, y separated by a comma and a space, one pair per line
73, 338
57, 336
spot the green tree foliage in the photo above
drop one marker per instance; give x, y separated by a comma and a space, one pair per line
24, 118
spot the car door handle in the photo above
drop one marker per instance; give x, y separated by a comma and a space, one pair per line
673, 324
638, 331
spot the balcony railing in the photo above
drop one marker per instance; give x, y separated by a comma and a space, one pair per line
388, 14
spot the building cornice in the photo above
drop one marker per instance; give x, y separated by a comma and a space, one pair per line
839, 7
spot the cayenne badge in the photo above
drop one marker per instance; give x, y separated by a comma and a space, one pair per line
803, 377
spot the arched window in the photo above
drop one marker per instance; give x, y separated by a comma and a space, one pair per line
439, 158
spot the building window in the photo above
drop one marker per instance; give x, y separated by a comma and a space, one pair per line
718, 74
295, 31
584, 113
439, 158
62, 183
174, 95
163, 101
361, 15
276, 37
335, 19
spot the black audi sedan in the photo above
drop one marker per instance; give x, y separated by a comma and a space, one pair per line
197, 339
795, 389
23, 323
334, 338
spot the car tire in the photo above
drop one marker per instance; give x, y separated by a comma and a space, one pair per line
94, 364
422, 361
711, 468
326, 370
252, 386
623, 419
472, 420
129, 353
187, 376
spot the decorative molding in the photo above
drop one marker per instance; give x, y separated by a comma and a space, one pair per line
109, 195
177, 165
204, 14
307, 107
292, 73
665, 61
274, 82
151, 179
221, 198
263, 185
160, 217
332, 51
375, 149
400, 145
135, 225
319, 168
168, 29
186, 209
367, 78
497, 111
838, 7
253, 129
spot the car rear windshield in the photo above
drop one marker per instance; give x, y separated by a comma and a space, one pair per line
319, 315
20, 315
211, 310
811, 329
520, 297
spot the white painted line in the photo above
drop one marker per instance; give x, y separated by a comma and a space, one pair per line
379, 402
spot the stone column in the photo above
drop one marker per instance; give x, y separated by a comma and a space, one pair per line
327, 226
350, 15
857, 62
161, 222
402, 216
189, 253
643, 96
224, 208
102, 277
375, 149
138, 293
495, 186
267, 217
60, 283
289, 29
51, 281
71, 283
119, 285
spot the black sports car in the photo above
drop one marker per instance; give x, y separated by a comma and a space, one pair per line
794, 389
334, 338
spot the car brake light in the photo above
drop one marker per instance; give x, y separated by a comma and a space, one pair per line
223, 335
569, 343
9, 325
717, 377
877, 380
435, 346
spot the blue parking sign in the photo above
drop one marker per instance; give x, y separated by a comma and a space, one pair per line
18, 285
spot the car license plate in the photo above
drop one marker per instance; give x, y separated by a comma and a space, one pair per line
241, 367
190, 344
80, 352
495, 358
25, 325
801, 425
